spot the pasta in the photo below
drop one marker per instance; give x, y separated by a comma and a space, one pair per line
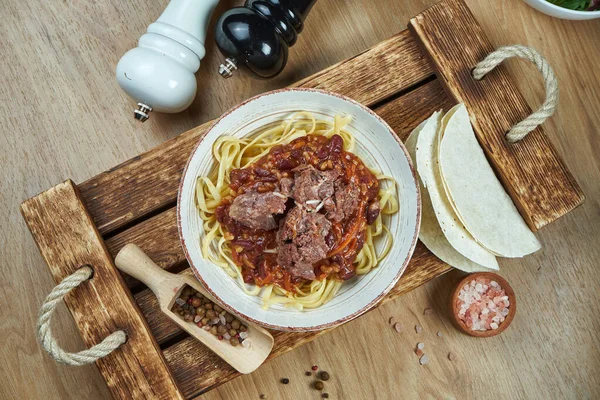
231, 153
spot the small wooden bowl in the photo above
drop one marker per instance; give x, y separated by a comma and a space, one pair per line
512, 309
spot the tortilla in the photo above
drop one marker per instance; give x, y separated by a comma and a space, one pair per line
479, 199
431, 234
454, 231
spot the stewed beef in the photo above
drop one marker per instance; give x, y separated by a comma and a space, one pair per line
373, 211
301, 241
311, 185
255, 210
286, 185
344, 202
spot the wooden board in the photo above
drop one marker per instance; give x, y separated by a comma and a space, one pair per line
134, 202
533, 174
68, 240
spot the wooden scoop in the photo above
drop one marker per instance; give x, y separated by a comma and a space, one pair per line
167, 288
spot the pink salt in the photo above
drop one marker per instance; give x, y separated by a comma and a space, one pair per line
483, 304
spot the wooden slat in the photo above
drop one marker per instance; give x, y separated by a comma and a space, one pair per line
158, 235
385, 69
197, 370
149, 182
532, 172
67, 239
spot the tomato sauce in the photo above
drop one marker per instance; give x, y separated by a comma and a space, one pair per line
255, 250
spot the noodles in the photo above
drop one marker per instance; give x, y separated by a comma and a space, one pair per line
235, 153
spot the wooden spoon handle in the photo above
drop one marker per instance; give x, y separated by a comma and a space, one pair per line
133, 261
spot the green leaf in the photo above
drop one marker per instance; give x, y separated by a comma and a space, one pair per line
579, 5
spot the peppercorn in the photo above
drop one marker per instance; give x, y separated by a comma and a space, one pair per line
314, 368
232, 332
208, 306
205, 321
234, 341
196, 302
319, 385
235, 324
243, 328
217, 308
324, 376
201, 311
210, 314
188, 317
263, 396
222, 330
213, 330
325, 395
228, 317
308, 373
285, 381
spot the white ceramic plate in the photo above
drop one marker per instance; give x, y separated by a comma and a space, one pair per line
377, 145
561, 12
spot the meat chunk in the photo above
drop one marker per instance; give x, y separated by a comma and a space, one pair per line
285, 186
255, 210
311, 185
373, 211
344, 203
301, 242
290, 258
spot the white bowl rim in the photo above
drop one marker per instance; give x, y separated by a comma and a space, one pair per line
373, 302
566, 11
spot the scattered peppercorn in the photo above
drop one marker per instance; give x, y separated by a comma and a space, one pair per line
263, 396
319, 385
325, 395
324, 376
308, 373
314, 368
285, 381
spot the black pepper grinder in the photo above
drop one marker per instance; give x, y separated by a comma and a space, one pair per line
257, 35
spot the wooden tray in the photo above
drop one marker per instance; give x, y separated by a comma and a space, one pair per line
404, 79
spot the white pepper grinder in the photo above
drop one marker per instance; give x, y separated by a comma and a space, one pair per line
159, 73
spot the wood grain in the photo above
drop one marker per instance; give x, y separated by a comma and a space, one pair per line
67, 239
188, 354
64, 115
531, 170
147, 184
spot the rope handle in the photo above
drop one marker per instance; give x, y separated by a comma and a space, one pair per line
107, 346
521, 129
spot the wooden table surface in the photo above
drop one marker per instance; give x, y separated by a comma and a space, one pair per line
62, 115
